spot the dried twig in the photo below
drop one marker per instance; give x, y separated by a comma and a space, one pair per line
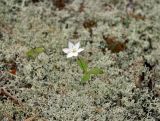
3, 92
30, 118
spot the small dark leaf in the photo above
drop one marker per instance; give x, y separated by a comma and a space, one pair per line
113, 45
13, 71
60, 4
89, 24
12, 67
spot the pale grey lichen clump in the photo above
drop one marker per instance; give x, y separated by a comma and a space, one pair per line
48, 85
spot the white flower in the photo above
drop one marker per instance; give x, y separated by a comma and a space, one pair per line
72, 49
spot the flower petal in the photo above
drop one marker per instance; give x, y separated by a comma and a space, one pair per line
69, 55
70, 45
75, 54
77, 45
80, 50
66, 50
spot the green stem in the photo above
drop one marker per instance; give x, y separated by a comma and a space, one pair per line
82, 65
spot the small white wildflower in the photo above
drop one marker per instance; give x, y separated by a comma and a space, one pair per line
72, 49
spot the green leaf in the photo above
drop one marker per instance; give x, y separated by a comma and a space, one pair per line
83, 64
33, 53
85, 77
95, 71
39, 49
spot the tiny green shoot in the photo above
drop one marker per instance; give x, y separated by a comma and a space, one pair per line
87, 73
33, 53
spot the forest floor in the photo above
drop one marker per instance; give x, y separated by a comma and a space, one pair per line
39, 83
